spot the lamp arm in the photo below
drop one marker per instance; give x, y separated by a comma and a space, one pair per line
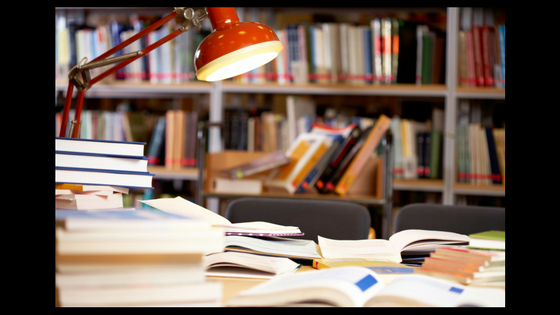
190, 18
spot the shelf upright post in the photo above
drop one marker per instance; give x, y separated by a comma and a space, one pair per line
387, 141
450, 105
214, 133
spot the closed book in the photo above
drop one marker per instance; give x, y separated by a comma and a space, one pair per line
100, 161
477, 26
488, 240
496, 177
86, 176
99, 146
185, 294
377, 64
502, 45
398, 170
459, 277
88, 201
373, 139
406, 70
139, 242
156, 143
386, 46
132, 276
243, 186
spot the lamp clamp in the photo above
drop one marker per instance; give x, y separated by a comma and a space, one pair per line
190, 18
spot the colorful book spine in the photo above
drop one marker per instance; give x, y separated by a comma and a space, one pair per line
502, 41
337, 158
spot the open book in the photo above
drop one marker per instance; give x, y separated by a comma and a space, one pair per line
244, 265
358, 286
274, 246
186, 208
401, 242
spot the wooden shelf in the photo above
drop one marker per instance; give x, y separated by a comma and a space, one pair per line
419, 184
186, 173
480, 92
438, 90
146, 89
114, 89
482, 190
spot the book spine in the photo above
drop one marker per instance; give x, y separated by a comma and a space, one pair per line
496, 177
376, 36
477, 47
486, 57
314, 174
502, 41
337, 158
387, 50
296, 182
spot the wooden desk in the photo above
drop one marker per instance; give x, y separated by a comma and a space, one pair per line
232, 286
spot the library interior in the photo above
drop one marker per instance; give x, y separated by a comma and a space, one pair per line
280, 156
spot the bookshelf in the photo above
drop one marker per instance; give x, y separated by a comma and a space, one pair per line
450, 93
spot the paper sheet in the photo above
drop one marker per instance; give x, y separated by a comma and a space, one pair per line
183, 207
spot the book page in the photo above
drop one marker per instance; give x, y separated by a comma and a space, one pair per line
279, 246
409, 239
186, 208
357, 284
420, 290
272, 265
374, 249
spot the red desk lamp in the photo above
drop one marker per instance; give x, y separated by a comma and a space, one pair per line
231, 49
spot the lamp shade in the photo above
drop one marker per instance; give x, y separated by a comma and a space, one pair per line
233, 47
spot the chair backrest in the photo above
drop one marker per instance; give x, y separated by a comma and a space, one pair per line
458, 219
331, 219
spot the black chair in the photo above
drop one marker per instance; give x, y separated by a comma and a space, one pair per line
331, 219
459, 219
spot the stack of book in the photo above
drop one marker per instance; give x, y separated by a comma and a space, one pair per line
134, 258
465, 265
93, 174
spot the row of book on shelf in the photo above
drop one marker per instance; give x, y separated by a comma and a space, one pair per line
480, 146
417, 146
165, 257
482, 44
169, 63
385, 50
